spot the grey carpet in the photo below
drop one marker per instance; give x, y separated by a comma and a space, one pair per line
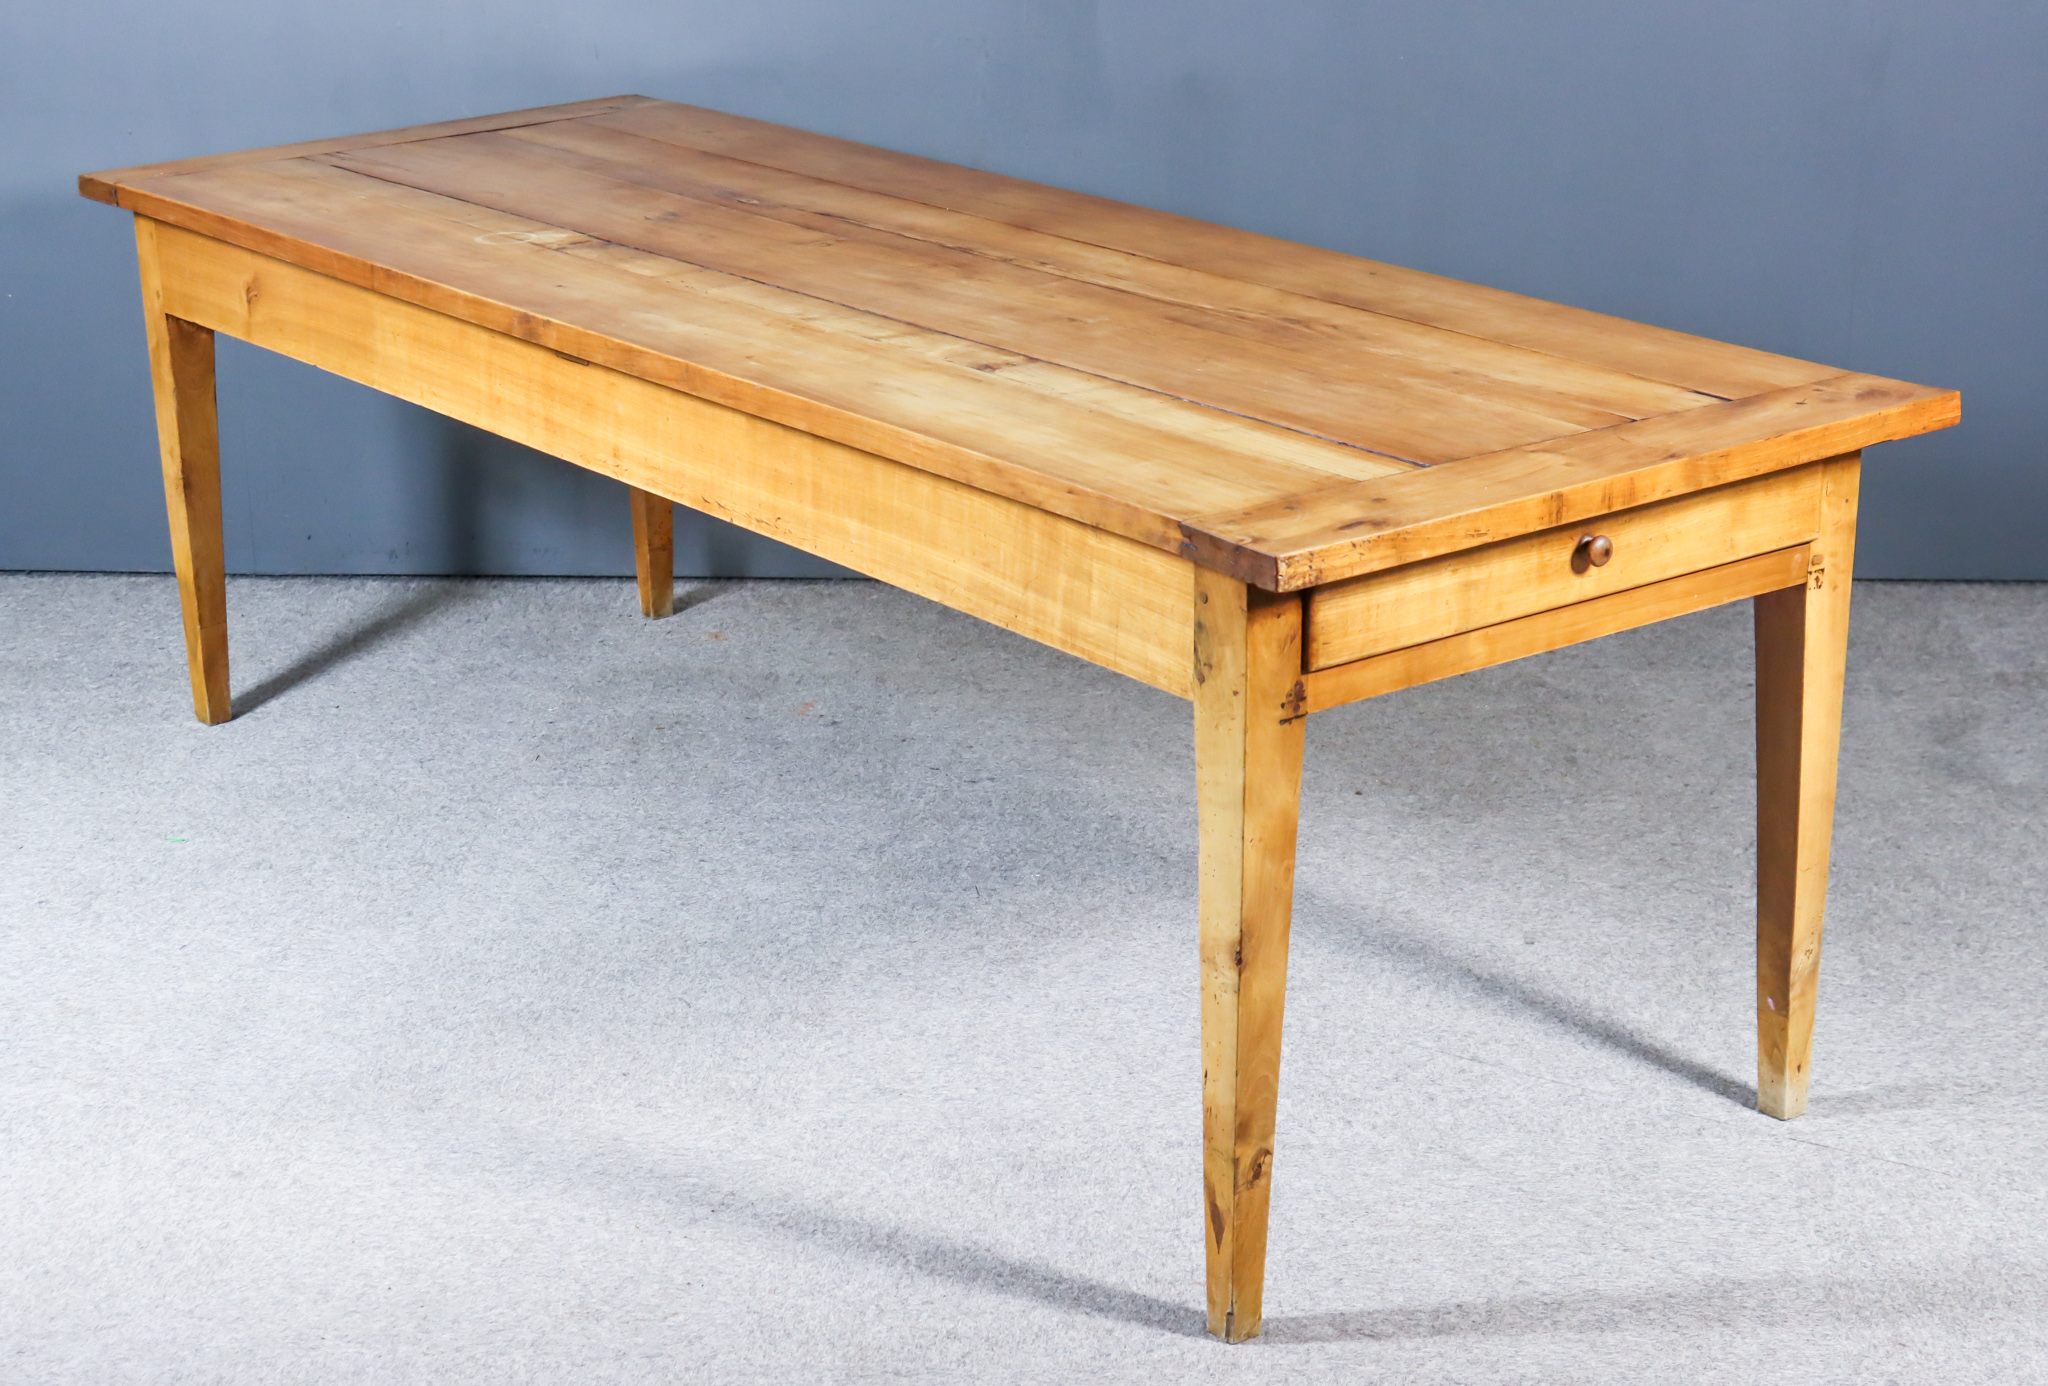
802, 989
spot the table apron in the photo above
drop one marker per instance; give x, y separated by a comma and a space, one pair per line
1105, 598
1484, 586
1321, 689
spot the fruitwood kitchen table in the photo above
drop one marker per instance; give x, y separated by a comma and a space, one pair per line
1268, 478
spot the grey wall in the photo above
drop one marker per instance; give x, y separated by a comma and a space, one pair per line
1862, 182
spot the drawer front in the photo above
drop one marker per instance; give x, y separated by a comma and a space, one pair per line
1539, 572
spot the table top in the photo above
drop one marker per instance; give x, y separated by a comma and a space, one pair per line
1287, 414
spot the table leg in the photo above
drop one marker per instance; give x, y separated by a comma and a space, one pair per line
1802, 636
654, 552
188, 436
1248, 740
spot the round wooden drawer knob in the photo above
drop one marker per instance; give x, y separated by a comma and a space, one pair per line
1593, 552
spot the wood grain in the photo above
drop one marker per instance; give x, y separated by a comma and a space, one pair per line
654, 552
1802, 639
1676, 358
1551, 630
188, 439
1071, 444
1107, 599
1404, 405
1248, 749
1498, 582
1314, 326
1362, 527
105, 186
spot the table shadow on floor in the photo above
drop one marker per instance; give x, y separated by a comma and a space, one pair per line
397, 617
947, 1259
411, 610
1441, 964
1983, 1291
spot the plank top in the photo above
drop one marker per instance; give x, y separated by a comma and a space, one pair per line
1286, 414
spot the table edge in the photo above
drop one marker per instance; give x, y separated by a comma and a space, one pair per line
105, 185
1361, 527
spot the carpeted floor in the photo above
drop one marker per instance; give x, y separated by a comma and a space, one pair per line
802, 989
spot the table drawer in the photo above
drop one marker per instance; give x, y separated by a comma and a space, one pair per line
1406, 606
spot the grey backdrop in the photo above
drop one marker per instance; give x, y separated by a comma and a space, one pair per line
1860, 182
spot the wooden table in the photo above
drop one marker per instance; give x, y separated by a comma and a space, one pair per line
1267, 478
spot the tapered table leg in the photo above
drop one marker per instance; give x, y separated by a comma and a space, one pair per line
654, 552
1802, 636
1248, 740
188, 436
